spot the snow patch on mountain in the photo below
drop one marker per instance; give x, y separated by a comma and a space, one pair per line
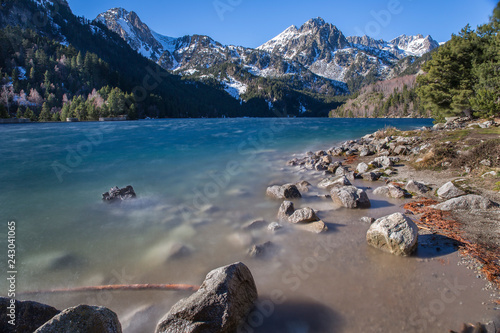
234, 87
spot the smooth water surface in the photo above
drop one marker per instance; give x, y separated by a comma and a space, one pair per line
198, 181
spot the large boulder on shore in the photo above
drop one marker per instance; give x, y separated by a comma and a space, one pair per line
117, 193
303, 215
224, 299
467, 202
449, 191
83, 319
28, 316
350, 197
287, 191
396, 234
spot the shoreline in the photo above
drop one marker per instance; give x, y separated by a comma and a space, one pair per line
477, 250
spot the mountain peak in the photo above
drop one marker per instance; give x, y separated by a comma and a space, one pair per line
317, 22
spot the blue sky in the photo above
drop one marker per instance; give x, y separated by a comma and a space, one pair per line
253, 22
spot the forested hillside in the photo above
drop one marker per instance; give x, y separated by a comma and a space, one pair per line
394, 98
54, 65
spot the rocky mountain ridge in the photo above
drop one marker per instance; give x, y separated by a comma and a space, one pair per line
315, 52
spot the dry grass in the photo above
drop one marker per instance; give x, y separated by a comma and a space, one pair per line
488, 150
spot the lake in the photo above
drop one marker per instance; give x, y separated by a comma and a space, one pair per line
197, 182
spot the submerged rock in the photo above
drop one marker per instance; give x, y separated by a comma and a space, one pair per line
28, 316
117, 193
316, 227
264, 250
467, 202
287, 191
83, 318
303, 215
254, 225
350, 197
224, 299
449, 191
178, 251
303, 186
274, 226
396, 234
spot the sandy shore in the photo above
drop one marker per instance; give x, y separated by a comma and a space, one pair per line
458, 152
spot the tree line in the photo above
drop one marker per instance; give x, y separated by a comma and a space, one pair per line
463, 76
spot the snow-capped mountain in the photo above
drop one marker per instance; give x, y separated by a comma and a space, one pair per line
317, 54
196, 55
324, 49
415, 45
130, 27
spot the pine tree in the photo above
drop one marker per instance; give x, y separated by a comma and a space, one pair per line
30, 114
3, 112
56, 116
20, 113
447, 87
32, 74
45, 113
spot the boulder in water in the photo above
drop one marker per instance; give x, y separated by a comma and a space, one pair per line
119, 194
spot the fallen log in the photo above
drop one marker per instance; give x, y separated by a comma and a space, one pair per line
123, 287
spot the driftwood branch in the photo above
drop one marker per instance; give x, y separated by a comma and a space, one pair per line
126, 287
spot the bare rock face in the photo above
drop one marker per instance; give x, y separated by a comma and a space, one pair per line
303, 215
396, 234
350, 197
287, 191
286, 209
118, 194
467, 202
83, 318
224, 299
449, 191
28, 316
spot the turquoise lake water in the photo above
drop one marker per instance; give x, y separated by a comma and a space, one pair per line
197, 182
